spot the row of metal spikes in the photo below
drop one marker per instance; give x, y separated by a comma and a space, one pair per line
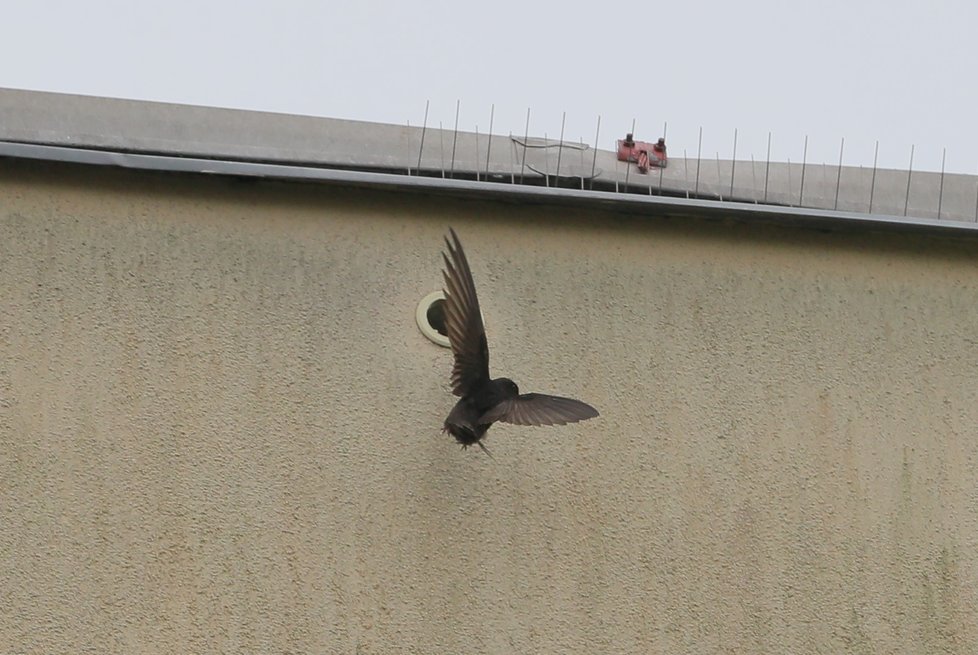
695, 193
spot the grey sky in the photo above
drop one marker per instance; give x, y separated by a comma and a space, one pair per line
900, 72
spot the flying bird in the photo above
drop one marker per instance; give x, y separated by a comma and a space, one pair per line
483, 400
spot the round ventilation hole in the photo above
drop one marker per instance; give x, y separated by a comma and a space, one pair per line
431, 318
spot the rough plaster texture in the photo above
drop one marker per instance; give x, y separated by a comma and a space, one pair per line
219, 429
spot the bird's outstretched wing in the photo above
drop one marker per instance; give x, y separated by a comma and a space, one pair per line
539, 409
463, 322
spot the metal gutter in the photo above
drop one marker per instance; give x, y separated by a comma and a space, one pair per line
235, 135
625, 202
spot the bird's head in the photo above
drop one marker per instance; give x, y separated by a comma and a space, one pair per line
509, 386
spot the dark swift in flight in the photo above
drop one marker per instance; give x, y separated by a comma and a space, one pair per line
483, 401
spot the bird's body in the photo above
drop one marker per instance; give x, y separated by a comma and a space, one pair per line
465, 422
483, 400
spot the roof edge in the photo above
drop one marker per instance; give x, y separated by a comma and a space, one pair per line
632, 203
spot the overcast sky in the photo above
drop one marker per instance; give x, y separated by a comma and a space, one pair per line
900, 72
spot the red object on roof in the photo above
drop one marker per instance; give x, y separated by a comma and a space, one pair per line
642, 153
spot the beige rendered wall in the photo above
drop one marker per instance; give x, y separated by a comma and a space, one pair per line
219, 429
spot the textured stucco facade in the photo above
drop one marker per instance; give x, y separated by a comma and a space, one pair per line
219, 428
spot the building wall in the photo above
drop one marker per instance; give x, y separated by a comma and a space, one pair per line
219, 429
